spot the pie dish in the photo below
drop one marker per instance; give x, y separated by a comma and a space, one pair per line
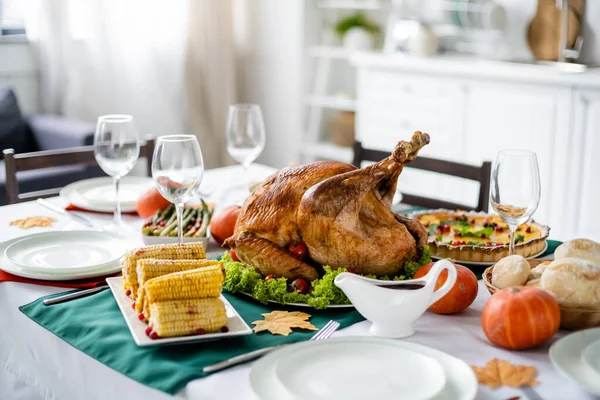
471, 236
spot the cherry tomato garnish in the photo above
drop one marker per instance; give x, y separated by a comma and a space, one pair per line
234, 256
298, 249
300, 285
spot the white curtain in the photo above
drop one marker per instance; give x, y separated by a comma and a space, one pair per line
139, 57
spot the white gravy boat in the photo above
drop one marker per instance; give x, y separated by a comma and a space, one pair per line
393, 306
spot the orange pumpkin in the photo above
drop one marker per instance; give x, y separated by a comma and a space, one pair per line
520, 317
222, 223
150, 202
462, 294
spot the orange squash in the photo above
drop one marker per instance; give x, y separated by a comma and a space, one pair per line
462, 294
150, 202
520, 317
223, 223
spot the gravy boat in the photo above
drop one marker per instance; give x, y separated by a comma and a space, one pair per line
393, 306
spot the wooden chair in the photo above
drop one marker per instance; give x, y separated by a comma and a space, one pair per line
83, 156
480, 174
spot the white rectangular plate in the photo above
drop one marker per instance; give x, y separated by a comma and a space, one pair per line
235, 323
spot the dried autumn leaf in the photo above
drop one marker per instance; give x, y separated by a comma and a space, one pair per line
502, 373
31, 222
281, 322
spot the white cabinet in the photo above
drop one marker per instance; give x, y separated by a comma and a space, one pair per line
533, 117
583, 152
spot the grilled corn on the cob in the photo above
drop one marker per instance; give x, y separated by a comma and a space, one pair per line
184, 317
193, 284
149, 268
178, 251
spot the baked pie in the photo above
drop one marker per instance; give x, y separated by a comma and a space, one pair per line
478, 237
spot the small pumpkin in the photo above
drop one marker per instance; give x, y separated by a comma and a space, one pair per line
520, 317
462, 294
222, 223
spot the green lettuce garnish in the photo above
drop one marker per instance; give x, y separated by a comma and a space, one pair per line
241, 278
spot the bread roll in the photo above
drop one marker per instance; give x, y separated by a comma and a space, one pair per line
579, 248
534, 283
510, 271
536, 273
572, 280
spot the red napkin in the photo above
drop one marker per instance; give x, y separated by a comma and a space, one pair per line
81, 283
71, 207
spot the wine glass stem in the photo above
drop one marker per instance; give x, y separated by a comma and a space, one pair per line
247, 174
179, 209
511, 246
117, 215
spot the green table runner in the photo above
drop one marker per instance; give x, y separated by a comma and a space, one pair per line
96, 326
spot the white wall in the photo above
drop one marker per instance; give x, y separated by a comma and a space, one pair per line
18, 68
270, 72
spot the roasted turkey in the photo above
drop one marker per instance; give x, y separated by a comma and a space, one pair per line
342, 213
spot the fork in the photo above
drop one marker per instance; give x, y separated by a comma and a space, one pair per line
324, 333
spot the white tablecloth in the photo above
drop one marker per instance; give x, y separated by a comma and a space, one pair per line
35, 364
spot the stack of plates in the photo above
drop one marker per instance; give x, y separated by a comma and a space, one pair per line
98, 194
578, 357
361, 368
62, 255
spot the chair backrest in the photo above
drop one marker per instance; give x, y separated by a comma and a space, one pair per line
83, 156
480, 174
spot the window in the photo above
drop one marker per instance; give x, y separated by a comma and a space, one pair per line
12, 17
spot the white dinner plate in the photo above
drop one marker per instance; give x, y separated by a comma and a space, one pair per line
98, 194
62, 252
489, 264
461, 383
10, 267
566, 355
591, 355
237, 326
360, 370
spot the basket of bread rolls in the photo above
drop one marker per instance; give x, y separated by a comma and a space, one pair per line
572, 277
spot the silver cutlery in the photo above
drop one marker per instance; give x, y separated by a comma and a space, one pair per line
74, 295
61, 211
324, 333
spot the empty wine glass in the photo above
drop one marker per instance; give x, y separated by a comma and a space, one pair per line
177, 170
116, 149
515, 192
245, 134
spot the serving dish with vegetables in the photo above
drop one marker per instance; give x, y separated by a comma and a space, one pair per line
162, 226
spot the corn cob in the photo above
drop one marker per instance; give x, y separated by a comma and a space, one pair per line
184, 317
192, 284
178, 251
148, 268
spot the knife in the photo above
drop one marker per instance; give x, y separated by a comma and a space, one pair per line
59, 210
74, 295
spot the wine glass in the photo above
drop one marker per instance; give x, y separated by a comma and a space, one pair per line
177, 170
116, 149
245, 134
515, 192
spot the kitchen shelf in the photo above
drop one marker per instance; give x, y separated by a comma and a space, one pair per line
351, 4
333, 102
328, 151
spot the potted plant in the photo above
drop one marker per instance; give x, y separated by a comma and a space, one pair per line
357, 31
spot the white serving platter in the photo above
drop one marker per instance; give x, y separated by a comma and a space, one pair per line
304, 305
8, 266
460, 381
63, 252
98, 194
566, 355
236, 324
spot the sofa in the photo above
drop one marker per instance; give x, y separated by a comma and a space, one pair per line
27, 133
